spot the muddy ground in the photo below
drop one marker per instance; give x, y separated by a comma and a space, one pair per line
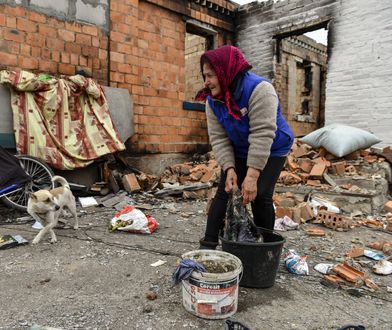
94, 279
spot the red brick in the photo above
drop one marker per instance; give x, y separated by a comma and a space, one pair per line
46, 30
388, 206
130, 183
66, 35
26, 25
14, 35
356, 251
11, 22
36, 17
48, 66
350, 274
55, 44
8, 59
28, 63
318, 170
89, 29
67, 69
83, 39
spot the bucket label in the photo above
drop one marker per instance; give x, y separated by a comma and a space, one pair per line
210, 299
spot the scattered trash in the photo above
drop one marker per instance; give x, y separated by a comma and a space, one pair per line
158, 263
133, 220
285, 223
317, 203
383, 267
185, 269
231, 324
9, 241
351, 327
87, 201
323, 268
151, 295
295, 263
373, 255
37, 225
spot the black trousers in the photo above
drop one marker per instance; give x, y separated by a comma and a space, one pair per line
262, 207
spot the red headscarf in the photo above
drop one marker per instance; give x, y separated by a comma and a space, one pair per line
227, 62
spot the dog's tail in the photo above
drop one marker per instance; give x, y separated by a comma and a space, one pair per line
61, 180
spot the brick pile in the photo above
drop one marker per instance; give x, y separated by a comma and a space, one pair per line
314, 167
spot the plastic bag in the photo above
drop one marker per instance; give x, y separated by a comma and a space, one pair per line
133, 220
383, 267
285, 223
239, 223
296, 264
316, 202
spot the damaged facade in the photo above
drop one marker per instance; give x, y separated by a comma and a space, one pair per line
358, 82
137, 45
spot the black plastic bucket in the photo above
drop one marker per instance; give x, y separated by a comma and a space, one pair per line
260, 261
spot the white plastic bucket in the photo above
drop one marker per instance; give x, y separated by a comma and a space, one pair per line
212, 295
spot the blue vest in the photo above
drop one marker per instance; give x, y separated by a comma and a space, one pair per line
238, 130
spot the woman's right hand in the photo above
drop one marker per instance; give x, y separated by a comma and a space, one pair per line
231, 179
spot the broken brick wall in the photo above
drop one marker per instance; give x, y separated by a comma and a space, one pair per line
299, 77
358, 83
134, 44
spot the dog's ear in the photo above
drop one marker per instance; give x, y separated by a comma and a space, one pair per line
33, 196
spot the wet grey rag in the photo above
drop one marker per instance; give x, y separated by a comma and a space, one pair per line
185, 269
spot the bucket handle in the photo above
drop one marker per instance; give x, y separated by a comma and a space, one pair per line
211, 301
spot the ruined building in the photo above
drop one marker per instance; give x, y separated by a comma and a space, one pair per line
152, 47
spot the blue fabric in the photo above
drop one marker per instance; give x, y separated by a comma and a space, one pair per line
238, 130
185, 269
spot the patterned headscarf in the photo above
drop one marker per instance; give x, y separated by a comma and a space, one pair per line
227, 62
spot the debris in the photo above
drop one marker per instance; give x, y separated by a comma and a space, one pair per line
295, 263
151, 295
9, 241
356, 251
373, 255
231, 324
388, 206
314, 231
130, 183
114, 200
334, 221
133, 220
178, 189
323, 268
383, 267
87, 201
158, 263
285, 223
350, 274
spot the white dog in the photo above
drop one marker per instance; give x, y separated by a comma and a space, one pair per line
45, 206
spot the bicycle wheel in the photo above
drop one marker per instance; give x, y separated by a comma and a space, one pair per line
41, 178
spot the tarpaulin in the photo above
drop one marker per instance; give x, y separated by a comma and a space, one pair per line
65, 121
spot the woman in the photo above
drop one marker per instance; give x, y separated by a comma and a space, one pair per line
249, 136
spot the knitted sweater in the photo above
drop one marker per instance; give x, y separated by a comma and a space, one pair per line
262, 114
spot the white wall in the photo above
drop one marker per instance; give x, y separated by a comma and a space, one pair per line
359, 81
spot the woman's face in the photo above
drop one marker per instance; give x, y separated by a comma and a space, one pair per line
211, 80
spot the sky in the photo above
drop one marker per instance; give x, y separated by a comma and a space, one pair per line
319, 35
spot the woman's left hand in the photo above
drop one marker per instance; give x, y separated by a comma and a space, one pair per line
249, 186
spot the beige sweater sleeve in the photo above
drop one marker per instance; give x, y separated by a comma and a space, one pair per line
221, 145
263, 105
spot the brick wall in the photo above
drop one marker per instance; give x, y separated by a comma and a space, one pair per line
358, 79
143, 51
35, 42
290, 82
195, 46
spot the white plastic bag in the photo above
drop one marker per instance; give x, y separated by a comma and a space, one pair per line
295, 263
133, 220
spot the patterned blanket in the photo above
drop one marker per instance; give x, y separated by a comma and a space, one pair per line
64, 121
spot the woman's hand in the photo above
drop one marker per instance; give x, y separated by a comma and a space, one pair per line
231, 179
249, 186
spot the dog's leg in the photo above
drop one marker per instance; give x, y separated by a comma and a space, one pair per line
72, 209
52, 221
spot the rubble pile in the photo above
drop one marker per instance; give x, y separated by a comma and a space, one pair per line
321, 169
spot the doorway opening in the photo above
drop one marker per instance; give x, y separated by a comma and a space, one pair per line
301, 66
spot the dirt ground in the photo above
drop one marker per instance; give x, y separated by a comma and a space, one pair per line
95, 279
